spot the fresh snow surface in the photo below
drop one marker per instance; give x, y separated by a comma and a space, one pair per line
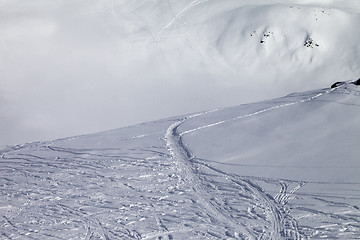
286, 168
79, 58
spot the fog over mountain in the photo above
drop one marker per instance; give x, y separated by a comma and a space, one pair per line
230, 119
77, 67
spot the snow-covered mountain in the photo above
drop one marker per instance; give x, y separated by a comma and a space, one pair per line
286, 168
64, 65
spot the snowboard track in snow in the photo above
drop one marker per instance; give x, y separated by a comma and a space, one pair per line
259, 112
278, 223
136, 186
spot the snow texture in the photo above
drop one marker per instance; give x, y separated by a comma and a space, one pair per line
286, 168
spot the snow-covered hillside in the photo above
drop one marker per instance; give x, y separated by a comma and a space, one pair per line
286, 168
159, 58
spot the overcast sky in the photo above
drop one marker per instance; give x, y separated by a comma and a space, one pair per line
77, 67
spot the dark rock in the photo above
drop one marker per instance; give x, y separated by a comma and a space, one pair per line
337, 84
357, 82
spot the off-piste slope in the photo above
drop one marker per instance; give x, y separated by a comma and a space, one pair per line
286, 168
289, 43
151, 55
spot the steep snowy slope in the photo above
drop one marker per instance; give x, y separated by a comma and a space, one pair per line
287, 168
77, 58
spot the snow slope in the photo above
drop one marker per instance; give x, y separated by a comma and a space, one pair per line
286, 168
78, 58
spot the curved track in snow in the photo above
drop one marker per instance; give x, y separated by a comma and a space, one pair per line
134, 183
217, 201
272, 213
179, 152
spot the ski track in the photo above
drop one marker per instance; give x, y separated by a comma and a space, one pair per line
184, 10
258, 112
278, 223
262, 208
145, 189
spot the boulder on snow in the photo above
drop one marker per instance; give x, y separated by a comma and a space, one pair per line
337, 84
357, 82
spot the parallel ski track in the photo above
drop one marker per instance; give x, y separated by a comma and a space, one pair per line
258, 112
282, 224
176, 17
178, 152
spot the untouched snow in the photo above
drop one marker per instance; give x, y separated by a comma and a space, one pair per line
286, 168
79, 58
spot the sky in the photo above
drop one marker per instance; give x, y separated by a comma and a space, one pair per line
70, 68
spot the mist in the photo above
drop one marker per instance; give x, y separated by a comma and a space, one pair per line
70, 68
76, 68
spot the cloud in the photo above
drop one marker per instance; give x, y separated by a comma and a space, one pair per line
78, 67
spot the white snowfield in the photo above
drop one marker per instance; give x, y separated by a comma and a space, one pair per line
79, 58
286, 168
